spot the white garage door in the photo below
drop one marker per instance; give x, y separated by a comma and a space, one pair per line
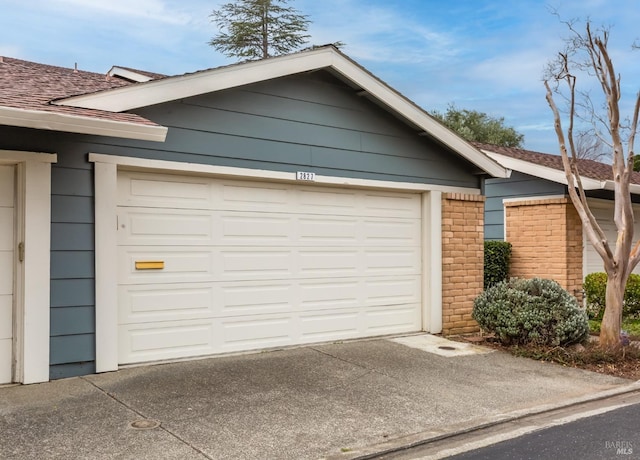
7, 225
603, 211
249, 265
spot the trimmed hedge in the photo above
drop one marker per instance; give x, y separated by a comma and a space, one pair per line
595, 288
497, 258
531, 311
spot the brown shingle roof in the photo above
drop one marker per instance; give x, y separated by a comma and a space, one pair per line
32, 86
587, 168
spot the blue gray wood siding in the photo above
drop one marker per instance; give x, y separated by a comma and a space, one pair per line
517, 186
311, 123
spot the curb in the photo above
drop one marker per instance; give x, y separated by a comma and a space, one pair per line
425, 437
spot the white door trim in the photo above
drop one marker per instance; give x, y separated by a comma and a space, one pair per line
106, 266
432, 262
33, 274
106, 190
143, 164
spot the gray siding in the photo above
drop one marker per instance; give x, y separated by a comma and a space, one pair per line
312, 123
517, 186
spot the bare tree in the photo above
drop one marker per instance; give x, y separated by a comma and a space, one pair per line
591, 147
588, 52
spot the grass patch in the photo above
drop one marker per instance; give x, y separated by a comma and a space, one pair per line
631, 325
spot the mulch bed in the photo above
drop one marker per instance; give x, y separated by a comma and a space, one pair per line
624, 364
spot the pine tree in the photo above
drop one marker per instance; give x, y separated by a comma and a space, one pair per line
258, 29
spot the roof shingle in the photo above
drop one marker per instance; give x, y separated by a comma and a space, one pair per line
587, 168
32, 86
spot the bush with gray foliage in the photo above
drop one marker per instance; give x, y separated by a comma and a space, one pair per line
531, 311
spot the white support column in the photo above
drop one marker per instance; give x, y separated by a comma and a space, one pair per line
35, 292
432, 261
106, 190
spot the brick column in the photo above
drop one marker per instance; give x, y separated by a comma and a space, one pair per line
462, 260
546, 239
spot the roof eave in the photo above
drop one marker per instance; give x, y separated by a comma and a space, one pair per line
183, 86
554, 175
52, 121
610, 185
173, 88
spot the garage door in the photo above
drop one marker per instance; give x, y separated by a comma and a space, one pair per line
7, 226
603, 211
212, 266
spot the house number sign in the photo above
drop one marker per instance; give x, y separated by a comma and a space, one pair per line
308, 176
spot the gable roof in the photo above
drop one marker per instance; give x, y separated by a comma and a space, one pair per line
26, 89
123, 98
55, 98
594, 174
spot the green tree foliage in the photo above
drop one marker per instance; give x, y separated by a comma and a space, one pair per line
479, 127
497, 259
258, 29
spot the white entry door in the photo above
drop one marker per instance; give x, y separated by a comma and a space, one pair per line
7, 243
211, 266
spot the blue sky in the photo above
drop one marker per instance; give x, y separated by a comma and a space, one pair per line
485, 55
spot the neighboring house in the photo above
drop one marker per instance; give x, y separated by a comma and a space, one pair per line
292, 200
532, 210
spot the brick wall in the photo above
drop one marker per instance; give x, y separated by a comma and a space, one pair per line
546, 239
462, 260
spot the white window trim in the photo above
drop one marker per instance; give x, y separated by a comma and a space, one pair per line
32, 310
106, 264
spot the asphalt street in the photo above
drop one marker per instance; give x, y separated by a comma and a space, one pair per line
612, 435
603, 428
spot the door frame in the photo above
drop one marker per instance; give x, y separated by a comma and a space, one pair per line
106, 176
31, 274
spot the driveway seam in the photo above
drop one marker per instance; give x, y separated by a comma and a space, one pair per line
369, 369
161, 426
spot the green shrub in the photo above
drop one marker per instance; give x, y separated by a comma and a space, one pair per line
595, 287
497, 257
531, 311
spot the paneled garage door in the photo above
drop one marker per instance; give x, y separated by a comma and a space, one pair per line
212, 266
7, 225
603, 211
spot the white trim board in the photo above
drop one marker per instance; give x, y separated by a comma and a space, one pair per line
207, 81
39, 119
533, 198
552, 174
31, 351
263, 174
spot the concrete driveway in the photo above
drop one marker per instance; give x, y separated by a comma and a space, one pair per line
341, 400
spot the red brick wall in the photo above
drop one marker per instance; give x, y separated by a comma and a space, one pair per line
546, 239
462, 260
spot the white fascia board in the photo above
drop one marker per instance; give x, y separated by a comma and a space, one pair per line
51, 121
409, 111
543, 172
128, 74
610, 185
173, 88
